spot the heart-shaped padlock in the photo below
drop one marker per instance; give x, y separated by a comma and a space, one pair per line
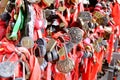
66, 65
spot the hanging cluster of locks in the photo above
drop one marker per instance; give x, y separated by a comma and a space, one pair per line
59, 40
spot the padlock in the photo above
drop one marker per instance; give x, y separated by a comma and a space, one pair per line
55, 56
76, 34
48, 57
41, 41
5, 16
66, 65
50, 45
10, 6
27, 42
85, 27
102, 21
40, 51
106, 35
86, 16
91, 25
97, 15
69, 45
7, 68
23, 72
87, 54
49, 13
43, 65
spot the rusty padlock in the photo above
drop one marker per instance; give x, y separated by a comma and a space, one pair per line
102, 21
76, 34
86, 16
66, 65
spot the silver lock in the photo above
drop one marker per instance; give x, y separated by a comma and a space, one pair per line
23, 70
7, 68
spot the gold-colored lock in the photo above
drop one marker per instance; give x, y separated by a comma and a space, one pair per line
61, 52
66, 65
50, 45
97, 15
27, 42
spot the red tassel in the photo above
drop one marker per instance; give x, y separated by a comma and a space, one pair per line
49, 72
110, 48
62, 18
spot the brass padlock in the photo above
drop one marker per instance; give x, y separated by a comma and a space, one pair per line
27, 42
51, 45
97, 15
102, 21
66, 65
